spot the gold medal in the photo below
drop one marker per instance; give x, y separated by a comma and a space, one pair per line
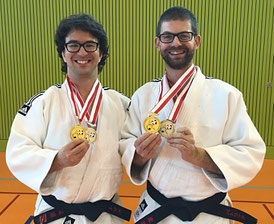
152, 124
91, 135
77, 132
167, 128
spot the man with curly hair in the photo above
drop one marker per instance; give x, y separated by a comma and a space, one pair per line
64, 141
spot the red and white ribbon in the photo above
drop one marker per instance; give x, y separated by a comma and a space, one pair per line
179, 101
80, 107
183, 83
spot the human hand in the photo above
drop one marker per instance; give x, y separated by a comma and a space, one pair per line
70, 155
146, 146
183, 140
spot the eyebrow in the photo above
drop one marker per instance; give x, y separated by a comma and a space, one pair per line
75, 41
167, 32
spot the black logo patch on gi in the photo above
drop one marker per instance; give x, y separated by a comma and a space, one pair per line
143, 205
69, 220
26, 107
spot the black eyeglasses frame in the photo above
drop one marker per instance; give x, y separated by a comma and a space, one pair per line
81, 45
176, 35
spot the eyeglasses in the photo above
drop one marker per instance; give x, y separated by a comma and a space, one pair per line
74, 47
183, 37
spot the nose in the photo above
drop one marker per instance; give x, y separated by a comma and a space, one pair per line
82, 51
176, 41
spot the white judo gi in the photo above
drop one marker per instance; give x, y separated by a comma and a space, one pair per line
215, 113
42, 127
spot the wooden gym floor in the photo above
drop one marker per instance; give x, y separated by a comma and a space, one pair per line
256, 198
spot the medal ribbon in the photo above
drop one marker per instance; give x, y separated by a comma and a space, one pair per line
96, 106
179, 101
173, 91
78, 100
78, 104
182, 82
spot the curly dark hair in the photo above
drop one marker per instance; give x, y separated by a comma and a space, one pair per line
86, 23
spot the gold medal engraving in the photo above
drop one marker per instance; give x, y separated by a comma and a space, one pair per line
91, 135
167, 128
77, 132
152, 124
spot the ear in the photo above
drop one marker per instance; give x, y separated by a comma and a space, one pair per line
157, 43
100, 55
197, 40
63, 56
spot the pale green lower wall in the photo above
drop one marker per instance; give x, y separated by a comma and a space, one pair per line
269, 149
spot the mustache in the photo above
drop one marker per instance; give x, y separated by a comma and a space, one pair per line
177, 49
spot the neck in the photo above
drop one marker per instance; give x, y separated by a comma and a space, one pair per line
83, 84
174, 74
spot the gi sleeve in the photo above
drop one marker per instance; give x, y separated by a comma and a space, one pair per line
26, 158
241, 154
131, 130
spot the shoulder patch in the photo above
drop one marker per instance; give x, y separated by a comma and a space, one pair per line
157, 80
26, 107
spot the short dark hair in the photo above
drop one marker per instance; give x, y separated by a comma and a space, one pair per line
178, 13
86, 23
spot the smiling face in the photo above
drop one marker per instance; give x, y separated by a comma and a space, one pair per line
81, 63
177, 54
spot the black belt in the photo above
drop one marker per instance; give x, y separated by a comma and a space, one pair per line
188, 210
92, 210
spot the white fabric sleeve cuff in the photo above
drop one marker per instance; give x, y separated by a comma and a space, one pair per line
137, 177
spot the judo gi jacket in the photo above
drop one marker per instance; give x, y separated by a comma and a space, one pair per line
216, 114
42, 127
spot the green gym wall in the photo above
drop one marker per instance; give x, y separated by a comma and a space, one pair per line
237, 47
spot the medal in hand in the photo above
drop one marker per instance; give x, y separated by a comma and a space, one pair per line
152, 124
77, 132
167, 128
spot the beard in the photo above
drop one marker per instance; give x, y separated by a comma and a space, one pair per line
179, 63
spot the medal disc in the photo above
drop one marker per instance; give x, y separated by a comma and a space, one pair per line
167, 128
152, 124
91, 135
77, 132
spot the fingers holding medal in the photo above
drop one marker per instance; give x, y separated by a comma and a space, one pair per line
80, 132
153, 125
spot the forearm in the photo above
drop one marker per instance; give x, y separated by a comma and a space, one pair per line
56, 165
204, 161
138, 161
